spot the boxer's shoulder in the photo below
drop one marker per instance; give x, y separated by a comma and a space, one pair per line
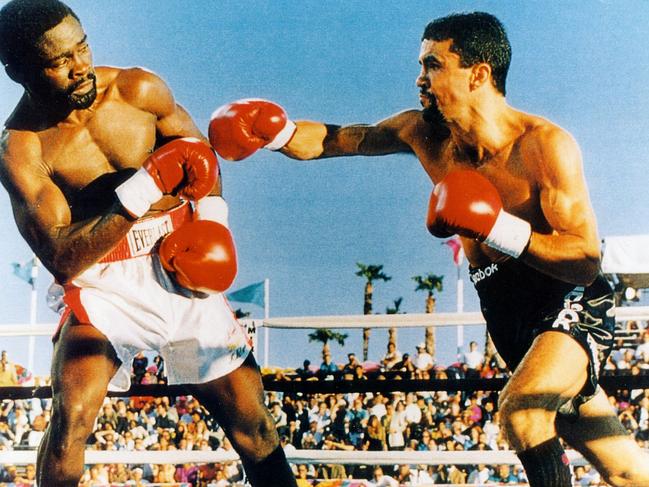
139, 87
545, 145
539, 133
411, 122
21, 162
18, 148
414, 130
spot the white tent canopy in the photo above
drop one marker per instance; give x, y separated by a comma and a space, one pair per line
626, 258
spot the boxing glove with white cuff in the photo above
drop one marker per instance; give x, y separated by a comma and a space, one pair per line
467, 203
187, 167
238, 129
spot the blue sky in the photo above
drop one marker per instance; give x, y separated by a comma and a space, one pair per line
304, 225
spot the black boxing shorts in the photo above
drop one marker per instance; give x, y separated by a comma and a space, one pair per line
518, 303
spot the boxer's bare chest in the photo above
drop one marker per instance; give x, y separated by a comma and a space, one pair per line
111, 137
508, 171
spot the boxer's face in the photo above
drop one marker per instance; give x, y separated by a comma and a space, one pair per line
65, 74
443, 84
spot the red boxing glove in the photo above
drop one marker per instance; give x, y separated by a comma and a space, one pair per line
202, 256
240, 128
469, 205
184, 166
437, 230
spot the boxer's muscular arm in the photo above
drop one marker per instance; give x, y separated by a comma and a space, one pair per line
149, 92
40, 208
314, 140
180, 124
571, 252
43, 216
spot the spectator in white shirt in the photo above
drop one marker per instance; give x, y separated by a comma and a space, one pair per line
626, 360
391, 357
474, 359
378, 405
413, 411
379, 479
423, 360
642, 352
397, 426
278, 415
480, 475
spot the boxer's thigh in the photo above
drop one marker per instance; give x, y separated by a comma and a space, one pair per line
83, 363
552, 371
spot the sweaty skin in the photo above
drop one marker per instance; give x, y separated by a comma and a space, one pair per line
62, 154
60, 169
537, 169
535, 165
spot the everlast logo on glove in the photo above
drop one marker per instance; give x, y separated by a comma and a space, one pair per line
480, 274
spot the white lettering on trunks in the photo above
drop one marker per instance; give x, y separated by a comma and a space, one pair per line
481, 274
570, 313
143, 235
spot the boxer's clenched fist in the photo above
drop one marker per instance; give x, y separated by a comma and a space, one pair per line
201, 255
467, 203
240, 128
187, 167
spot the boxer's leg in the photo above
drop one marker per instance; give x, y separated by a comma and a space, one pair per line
553, 371
598, 435
84, 362
237, 402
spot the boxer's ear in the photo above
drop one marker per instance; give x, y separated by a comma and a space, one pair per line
480, 74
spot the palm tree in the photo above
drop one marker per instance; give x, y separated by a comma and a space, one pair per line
371, 273
325, 335
429, 283
392, 331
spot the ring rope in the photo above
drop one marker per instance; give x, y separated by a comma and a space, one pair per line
608, 383
489, 457
407, 320
622, 313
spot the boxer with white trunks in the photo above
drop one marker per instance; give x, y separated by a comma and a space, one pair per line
118, 193
511, 184
138, 305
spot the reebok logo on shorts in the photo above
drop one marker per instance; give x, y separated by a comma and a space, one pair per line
480, 274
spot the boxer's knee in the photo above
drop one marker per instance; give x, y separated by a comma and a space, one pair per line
257, 438
525, 422
629, 473
72, 421
61, 453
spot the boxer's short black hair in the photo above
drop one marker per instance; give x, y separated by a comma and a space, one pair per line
23, 23
478, 37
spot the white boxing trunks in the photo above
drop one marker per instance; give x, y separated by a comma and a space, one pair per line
136, 304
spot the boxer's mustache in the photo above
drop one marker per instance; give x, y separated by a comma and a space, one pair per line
89, 77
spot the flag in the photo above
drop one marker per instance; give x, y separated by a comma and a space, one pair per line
250, 294
22, 374
456, 246
26, 271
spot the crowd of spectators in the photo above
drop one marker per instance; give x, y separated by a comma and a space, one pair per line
395, 421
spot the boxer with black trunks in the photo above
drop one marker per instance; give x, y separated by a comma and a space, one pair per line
519, 302
117, 192
511, 184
